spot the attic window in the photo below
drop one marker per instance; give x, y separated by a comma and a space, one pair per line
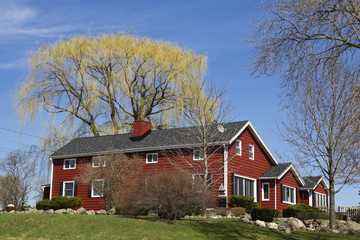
198, 155
251, 152
151, 158
98, 161
238, 147
70, 163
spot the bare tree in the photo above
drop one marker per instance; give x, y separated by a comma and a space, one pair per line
112, 177
323, 126
204, 113
16, 184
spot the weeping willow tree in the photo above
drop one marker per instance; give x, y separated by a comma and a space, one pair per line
99, 85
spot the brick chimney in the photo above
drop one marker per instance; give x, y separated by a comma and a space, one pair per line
140, 127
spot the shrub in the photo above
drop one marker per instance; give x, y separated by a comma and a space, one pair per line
264, 214
170, 195
238, 211
59, 202
246, 202
301, 211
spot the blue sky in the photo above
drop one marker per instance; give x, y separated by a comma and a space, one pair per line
216, 28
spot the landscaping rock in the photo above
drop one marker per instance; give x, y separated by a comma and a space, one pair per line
341, 225
81, 211
101, 212
335, 231
281, 221
70, 211
288, 230
12, 211
40, 211
353, 225
33, 210
49, 211
245, 220
60, 211
282, 228
90, 212
296, 224
272, 225
324, 224
260, 223
112, 211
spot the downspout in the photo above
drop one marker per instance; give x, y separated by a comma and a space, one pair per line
275, 193
226, 170
51, 177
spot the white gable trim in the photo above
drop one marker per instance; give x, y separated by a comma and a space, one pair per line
258, 138
294, 170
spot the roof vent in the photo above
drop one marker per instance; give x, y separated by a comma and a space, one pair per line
221, 128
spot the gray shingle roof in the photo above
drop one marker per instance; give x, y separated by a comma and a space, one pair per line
275, 171
310, 182
154, 139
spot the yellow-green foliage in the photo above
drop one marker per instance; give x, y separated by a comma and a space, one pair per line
100, 84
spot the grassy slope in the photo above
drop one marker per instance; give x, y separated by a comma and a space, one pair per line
32, 226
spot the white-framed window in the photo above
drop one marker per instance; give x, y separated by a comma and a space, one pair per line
289, 194
238, 147
98, 161
97, 187
251, 152
320, 200
244, 186
265, 188
70, 163
198, 155
151, 158
68, 189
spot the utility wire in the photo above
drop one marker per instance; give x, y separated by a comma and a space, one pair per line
14, 131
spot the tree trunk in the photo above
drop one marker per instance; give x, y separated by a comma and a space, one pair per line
332, 205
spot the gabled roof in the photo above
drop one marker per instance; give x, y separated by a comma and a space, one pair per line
157, 140
278, 171
312, 182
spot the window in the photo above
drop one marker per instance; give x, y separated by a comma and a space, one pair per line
98, 161
238, 147
320, 200
198, 155
70, 163
289, 194
251, 152
68, 189
244, 186
151, 158
97, 188
265, 191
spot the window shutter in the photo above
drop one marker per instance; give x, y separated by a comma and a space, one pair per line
257, 191
282, 192
241, 187
296, 195
314, 199
75, 188
61, 189
89, 191
232, 184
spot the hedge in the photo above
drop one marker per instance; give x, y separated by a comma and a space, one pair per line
59, 202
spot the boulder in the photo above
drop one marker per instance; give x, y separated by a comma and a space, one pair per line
353, 225
60, 211
335, 231
324, 224
70, 211
112, 211
260, 223
81, 211
296, 224
282, 228
245, 220
341, 225
272, 225
49, 211
40, 211
90, 212
101, 212
288, 230
12, 211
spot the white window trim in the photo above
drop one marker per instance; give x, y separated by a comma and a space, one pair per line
255, 185
253, 148
92, 187
317, 200
294, 192
197, 159
69, 159
240, 147
262, 191
148, 154
93, 165
73, 190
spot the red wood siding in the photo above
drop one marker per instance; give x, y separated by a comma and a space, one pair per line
289, 180
320, 189
242, 165
271, 202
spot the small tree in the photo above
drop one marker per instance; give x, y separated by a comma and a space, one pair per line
171, 195
116, 172
17, 183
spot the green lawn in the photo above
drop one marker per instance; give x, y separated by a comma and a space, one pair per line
33, 226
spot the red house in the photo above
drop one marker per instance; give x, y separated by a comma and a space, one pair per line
247, 166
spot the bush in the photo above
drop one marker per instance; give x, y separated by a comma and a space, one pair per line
301, 211
170, 195
264, 214
246, 202
59, 202
238, 211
